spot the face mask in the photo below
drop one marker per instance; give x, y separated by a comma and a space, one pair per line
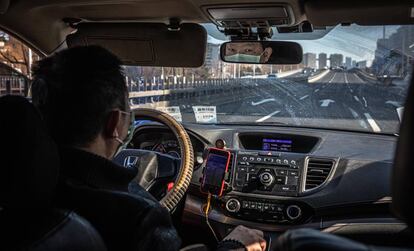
123, 143
243, 58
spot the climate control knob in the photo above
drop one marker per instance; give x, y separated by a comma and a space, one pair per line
293, 212
233, 205
266, 178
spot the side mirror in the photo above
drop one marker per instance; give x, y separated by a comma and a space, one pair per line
261, 52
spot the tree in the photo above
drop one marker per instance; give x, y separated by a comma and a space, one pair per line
16, 54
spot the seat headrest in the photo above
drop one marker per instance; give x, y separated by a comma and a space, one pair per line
28, 157
403, 171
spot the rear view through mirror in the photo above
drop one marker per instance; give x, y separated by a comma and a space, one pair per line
261, 52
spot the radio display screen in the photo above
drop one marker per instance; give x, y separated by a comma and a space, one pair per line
280, 145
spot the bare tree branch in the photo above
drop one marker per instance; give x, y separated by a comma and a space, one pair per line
10, 60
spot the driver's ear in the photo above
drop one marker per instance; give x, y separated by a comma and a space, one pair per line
112, 124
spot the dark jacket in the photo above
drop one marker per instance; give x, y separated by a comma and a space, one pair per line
97, 189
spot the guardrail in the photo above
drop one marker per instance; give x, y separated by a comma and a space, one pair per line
156, 90
10, 84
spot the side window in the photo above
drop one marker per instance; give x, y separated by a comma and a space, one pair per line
15, 63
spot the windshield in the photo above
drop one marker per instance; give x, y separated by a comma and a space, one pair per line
351, 77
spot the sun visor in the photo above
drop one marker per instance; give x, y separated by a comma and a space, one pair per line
146, 44
374, 12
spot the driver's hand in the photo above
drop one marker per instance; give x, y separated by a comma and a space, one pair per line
252, 239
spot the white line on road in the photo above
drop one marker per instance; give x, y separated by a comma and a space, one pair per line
326, 102
362, 81
400, 111
356, 116
318, 77
347, 83
302, 98
267, 116
330, 81
357, 99
365, 102
263, 101
316, 90
372, 123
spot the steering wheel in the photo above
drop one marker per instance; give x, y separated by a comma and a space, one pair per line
156, 170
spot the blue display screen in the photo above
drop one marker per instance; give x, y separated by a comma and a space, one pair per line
282, 145
215, 170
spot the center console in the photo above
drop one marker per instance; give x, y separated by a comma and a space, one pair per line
259, 176
268, 173
268, 177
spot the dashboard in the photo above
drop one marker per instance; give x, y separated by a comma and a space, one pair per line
159, 139
283, 177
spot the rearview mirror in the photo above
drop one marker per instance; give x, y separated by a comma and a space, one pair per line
261, 52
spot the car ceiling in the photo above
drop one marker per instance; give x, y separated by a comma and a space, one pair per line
40, 22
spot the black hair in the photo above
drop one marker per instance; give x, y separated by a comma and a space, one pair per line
75, 89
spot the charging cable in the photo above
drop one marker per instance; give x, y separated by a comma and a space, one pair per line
206, 212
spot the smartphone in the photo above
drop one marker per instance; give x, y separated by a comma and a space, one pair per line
215, 169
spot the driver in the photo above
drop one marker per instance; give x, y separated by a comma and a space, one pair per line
247, 52
83, 98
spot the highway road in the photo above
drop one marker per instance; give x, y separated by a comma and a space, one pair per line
340, 99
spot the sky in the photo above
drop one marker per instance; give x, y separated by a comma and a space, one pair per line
357, 42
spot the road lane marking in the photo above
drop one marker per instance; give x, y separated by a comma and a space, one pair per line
263, 101
365, 102
394, 103
267, 116
372, 123
400, 112
357, 99
347, 83
326, 102
320, 76
330, 81
356, 116
362, 81
316, 90
302, 98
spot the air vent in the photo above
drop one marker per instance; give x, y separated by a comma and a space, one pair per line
317, 172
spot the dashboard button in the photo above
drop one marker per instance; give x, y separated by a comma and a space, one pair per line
242, 169
266, 178
278, 161
239, 183
252, 169
253, 205
280, 180
293, 162
258, 159
266, 207
287, 188
244, 158
241, 176
281, 172
293, 212
293, 173
260, 206
245, 204
286, 162
251, 158
233, 205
